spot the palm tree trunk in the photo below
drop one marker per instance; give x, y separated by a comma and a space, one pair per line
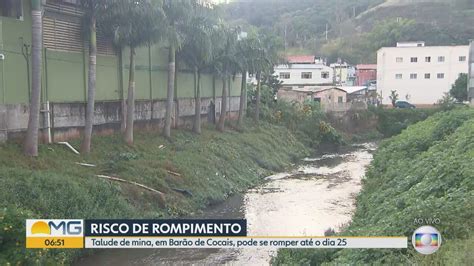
86, 143
197, 103
123, 102
243, 98
170, 95
221, 123
130, 99
31, 141
257, 104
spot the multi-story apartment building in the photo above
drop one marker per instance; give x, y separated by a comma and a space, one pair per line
420, 74
303, 72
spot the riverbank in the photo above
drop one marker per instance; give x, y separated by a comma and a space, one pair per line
192, 172
423, 173
315, 194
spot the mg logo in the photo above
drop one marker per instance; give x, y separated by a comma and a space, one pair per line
54, 227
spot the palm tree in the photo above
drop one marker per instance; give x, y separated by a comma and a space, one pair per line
393, 97
31, 141
176, 14
92, 8
135, 23
225, 64
246, 55
267, 56
197, 52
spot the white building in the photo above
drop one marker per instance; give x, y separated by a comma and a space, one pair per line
303, 72
344, 74
420, 74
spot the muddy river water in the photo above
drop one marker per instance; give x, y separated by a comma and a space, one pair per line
317, 195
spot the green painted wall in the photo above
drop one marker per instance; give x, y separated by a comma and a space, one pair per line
65, 76
65, 73
14, 81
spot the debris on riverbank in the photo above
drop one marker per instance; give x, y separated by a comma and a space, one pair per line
55, 186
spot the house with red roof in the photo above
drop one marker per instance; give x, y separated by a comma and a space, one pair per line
365, 73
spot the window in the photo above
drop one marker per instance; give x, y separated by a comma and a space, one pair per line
398, 76
284, 75
71, 2
441, 58
414, 59
300, 87
427, 76
340, 99
440, 75
413, 76
306, 75
462, 59
325, 75
428, 59
399, 59
11, 8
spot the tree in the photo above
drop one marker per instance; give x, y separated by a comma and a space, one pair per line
31, 141
135, 23
197, 52
459, 88
176, 14
272, 81
393, 97
225, 65
92, 9
446, 102
267, 57
247, 51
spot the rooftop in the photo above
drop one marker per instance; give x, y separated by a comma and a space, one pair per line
301, 66
367, 66
301, 59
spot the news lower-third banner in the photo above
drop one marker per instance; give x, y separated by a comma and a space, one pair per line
183, 233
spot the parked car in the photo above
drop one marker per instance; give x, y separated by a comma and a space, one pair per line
404, 105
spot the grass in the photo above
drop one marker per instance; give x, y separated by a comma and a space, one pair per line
424, 172
210, 167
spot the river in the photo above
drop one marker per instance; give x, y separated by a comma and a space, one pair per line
317, 195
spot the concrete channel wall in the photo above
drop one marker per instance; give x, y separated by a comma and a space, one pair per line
65, 121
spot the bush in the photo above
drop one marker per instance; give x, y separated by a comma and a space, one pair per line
307, 121
425, 172
392, 122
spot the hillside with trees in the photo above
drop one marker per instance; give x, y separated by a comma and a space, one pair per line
356, 29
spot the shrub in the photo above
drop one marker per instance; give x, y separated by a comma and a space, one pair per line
425, 172
307, 121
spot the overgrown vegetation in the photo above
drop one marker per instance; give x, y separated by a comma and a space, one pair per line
458, 90
425, 172
392, 121
208, 167
306, 121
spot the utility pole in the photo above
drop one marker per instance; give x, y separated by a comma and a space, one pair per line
326, 31
470, 82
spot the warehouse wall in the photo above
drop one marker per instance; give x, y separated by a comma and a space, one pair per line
64, 85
